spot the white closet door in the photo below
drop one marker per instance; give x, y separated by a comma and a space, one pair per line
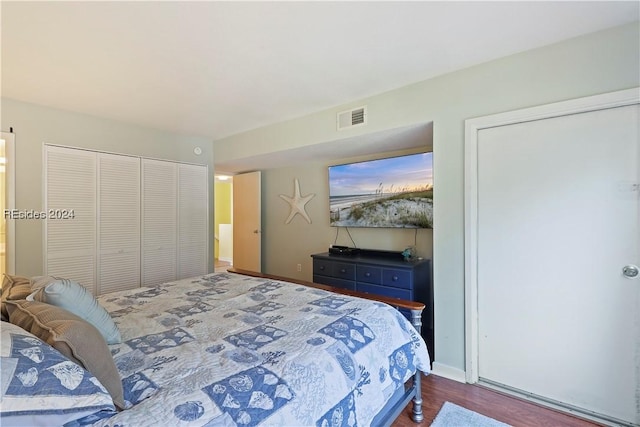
159, 218
118, 222
193, 220
70, 205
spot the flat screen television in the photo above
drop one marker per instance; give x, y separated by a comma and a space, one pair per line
394, 192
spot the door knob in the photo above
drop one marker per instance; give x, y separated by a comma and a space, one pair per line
630, 271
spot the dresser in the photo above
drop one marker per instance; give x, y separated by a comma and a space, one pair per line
384, 273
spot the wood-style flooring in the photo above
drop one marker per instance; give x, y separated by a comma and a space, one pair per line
516, 412
221, 266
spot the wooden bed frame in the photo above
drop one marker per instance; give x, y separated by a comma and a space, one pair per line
399, 401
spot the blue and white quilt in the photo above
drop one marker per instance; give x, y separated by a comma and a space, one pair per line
231, 350
40, 386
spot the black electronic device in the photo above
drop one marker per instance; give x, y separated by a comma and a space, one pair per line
343, 250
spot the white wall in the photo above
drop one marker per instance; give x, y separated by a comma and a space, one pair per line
596, 63
35, 125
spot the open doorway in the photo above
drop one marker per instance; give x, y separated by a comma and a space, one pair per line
7, 202
223, 206
238, 216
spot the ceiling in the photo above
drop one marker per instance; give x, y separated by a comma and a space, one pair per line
215, 69
417, 137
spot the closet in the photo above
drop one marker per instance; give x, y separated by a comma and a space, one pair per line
117, 222
553, 248
174, 226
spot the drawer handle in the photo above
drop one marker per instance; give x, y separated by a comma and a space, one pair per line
322, 267
367, 274
343, 270
395, 278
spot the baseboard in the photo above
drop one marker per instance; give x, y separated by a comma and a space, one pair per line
449, 372
226, 259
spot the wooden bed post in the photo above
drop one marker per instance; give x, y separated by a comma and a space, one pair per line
417, 416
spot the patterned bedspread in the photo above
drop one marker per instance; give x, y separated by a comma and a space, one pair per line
227, 350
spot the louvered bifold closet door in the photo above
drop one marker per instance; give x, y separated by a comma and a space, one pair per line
118, 223
70, 204
159, 218
193, 220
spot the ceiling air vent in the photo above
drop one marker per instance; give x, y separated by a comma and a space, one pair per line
351, 118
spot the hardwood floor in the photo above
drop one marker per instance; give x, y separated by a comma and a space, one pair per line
221, 265
516, 412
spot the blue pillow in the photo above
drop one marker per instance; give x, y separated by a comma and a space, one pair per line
75, 298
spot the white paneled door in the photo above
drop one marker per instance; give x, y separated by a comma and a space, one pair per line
557, 240
175, 221
193, 221
70, 207
118, 223
159, 221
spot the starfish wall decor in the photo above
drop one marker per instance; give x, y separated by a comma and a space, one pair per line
297, 203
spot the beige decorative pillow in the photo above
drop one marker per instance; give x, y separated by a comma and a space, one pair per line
72, 336
38, 282
14, 288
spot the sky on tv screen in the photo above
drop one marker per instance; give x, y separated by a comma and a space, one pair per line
406, 172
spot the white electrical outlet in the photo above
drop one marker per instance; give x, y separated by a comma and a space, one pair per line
299, 267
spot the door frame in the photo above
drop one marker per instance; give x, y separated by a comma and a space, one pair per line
472, 127
10, 176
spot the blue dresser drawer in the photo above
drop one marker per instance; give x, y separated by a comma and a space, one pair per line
338, 283
369, 274
396, 278
383, 273
344, 270
322, 267
385, 291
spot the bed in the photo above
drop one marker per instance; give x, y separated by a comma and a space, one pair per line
231, 349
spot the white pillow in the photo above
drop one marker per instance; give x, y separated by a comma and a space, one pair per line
73, 297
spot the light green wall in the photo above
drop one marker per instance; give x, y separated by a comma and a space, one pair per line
35, 125
222, 206
287, 245
588, 65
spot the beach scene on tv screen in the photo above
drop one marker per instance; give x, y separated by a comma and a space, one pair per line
395, 192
